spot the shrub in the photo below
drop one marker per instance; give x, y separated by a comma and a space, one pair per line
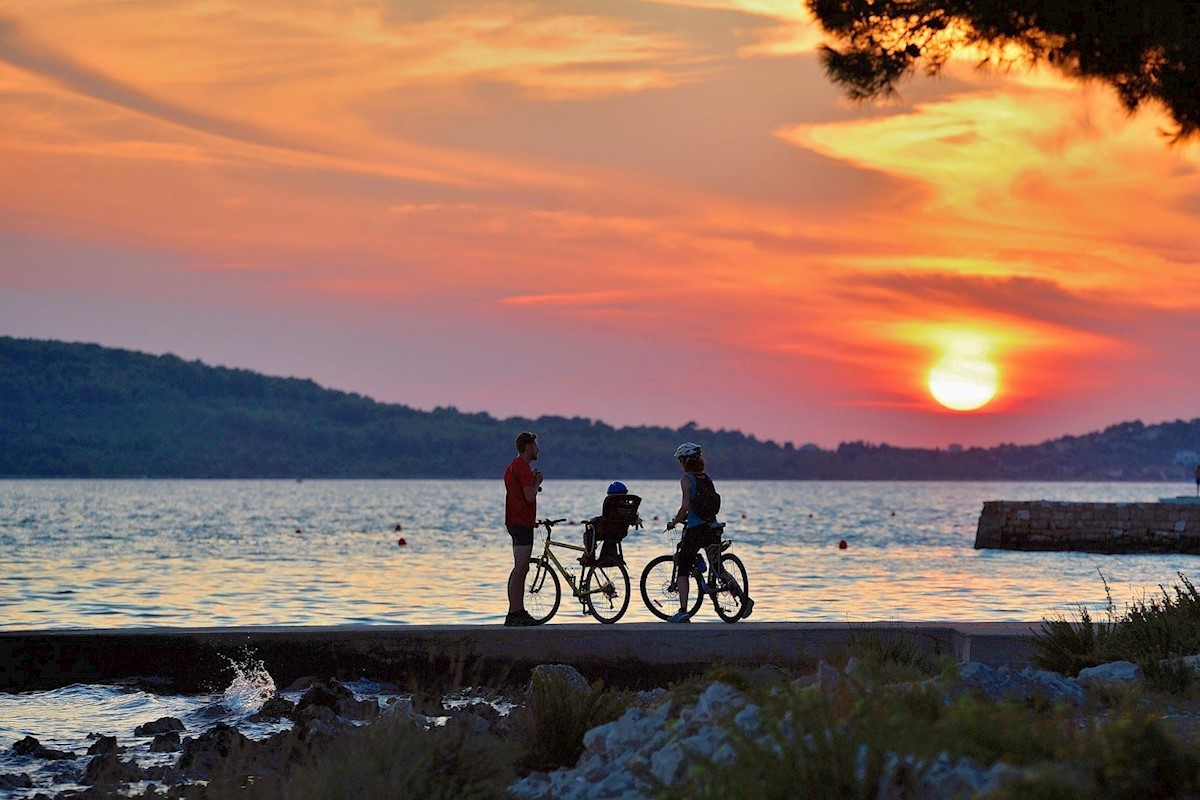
1154, 632
887, 658
388, 759
559, 714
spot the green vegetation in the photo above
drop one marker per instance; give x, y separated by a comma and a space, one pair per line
388, 759
75, 410
892, 723
1155, 632
842, 743
558, 715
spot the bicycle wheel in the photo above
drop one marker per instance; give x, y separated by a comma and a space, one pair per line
610, 603
660, 596
543, 592
727, 606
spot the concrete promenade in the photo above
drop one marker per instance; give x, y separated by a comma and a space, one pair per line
192, 660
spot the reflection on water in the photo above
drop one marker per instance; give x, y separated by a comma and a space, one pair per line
217, 553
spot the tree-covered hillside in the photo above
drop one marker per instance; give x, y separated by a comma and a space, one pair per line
77, 410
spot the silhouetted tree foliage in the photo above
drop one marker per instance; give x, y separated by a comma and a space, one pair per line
1147, 50
76, 410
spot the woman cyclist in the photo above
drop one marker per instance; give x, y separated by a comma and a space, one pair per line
697, 526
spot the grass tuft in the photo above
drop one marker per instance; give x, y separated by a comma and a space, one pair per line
1155, 632
557, 716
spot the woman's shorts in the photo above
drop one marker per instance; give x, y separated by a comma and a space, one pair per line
522, 535
694, 538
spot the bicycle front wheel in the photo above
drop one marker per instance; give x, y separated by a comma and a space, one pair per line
606, 592
659, 593
727, 605
543, 592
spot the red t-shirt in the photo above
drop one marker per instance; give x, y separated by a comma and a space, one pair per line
518, 510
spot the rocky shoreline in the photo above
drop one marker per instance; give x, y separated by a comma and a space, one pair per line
661, 740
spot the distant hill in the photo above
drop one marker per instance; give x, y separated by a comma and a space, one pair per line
81, 410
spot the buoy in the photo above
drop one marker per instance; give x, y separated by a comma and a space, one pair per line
299, 531
655, 517
400, 542
842, 545
398, 528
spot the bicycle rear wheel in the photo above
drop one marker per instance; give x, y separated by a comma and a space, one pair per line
658, 593
543, 592
610, 603
725, 603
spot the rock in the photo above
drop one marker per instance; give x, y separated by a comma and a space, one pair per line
828, 678
1114, 672
335, 696
160, 725
109, 770
14, 780
303, 684
274, 709
104, 744
564, 672
166, 743
202, 754
30, 746
327, 694
999, 683
27, 746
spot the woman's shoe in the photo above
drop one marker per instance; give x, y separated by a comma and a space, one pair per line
680, 616
747, 607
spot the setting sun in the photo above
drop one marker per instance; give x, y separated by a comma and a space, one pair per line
963, 382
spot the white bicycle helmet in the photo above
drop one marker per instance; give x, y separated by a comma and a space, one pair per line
687, 449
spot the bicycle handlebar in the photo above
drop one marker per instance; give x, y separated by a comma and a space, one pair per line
549, 523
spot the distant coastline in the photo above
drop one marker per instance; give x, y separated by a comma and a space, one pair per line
85, 411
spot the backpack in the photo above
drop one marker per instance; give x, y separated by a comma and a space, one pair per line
707, 502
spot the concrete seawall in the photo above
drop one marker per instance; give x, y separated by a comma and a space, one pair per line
1162, 527
190, 660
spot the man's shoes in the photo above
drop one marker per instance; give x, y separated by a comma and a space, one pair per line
747, 607
519, 619
680, 616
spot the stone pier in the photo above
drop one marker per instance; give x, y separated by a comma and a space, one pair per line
1162, 527
636, 655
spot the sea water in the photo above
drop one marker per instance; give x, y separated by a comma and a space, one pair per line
143, 553
138, 553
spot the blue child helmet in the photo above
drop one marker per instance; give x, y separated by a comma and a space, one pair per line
616, 487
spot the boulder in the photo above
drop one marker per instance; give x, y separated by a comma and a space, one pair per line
1000, 683
1114, 672
202, 754
160, 725
104, 744
274, 709
12, 780
166, 743
108, 769
30, 746
573, 679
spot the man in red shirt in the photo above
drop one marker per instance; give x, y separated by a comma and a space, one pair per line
522, 482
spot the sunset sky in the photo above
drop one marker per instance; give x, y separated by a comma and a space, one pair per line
640, 212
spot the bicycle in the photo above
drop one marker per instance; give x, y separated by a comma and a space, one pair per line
660, 582
603, 590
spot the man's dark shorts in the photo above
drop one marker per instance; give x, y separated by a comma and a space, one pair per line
522, 535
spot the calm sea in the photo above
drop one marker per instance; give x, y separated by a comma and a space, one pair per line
137, 553
208, 553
